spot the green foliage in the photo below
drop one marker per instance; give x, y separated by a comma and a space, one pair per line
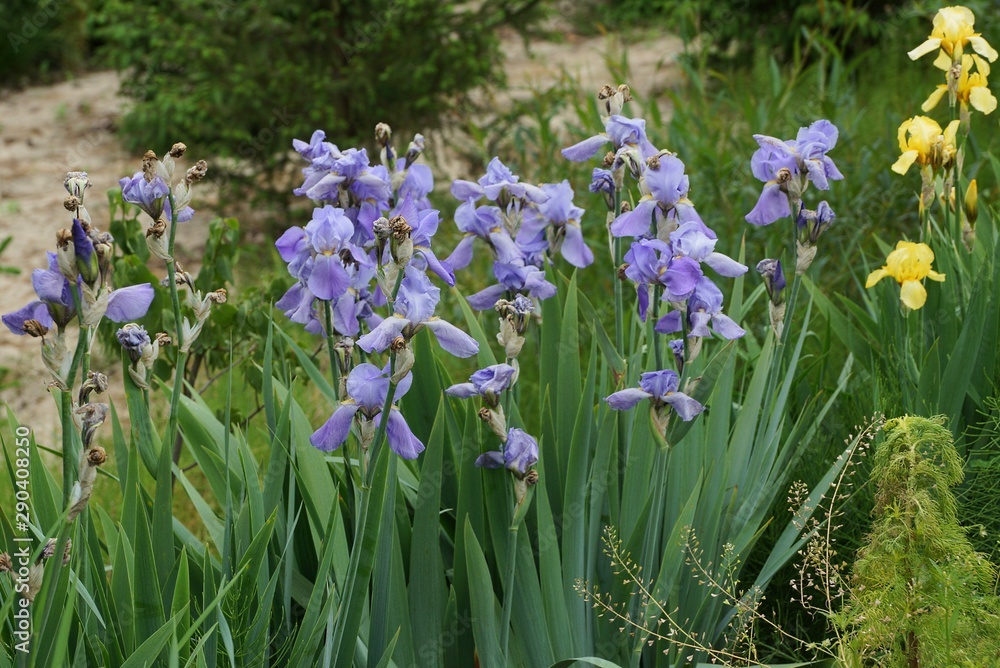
269, 71
921, 595
41, 38
782, 26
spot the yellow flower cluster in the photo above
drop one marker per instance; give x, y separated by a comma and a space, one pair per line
953, 31
922, 141
909, 264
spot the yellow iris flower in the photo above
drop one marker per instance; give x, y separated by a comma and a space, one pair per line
971, 89
921, 140
952, 31
909, 264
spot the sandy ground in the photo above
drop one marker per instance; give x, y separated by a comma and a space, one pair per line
47, 131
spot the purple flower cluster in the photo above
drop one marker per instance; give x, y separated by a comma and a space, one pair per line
369, 241
367, 389
523, 226
787, 168
58, 296
336, 257
671, 246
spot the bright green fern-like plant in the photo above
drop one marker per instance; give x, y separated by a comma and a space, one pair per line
921, 595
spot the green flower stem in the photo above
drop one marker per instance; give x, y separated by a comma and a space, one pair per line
81, 359
387, 406
508, 587
175, 303
377, 635
334, 367
70, 455
657, 353
616, 245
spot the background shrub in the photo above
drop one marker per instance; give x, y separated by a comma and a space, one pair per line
40, 38
243, 78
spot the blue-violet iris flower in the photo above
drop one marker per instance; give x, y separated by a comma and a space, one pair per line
414, 309
520, 453
367, 388
660, 387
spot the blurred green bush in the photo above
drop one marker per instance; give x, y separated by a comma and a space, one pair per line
40, 38
242, 79
737, 26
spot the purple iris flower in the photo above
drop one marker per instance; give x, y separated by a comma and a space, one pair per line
315, 148
418, 183
86, 258
36, 310
134, 338
488, 383
129, 303
513, 276
603, 181
788, 166
371, 190
666, 187
351, 308
321, 154
414, 309
651, 261
499, 184
424, 224
367, 388
660, 387
486, 223
559, 212
677, 348
147, 195
318, 254
774, 278
620, 132
704, 307
811, 224
56, 306
691, 241
520, 453
333, 170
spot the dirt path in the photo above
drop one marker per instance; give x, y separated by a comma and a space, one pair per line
47, 131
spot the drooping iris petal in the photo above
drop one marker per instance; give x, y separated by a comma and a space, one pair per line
680, 278
383, 335
586, 149
36, 310
335, 430
484, 300
401, 439
575, 250
627, 398
686, 407
130, 303
637, 222
772, 205
452, 339
492, 459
